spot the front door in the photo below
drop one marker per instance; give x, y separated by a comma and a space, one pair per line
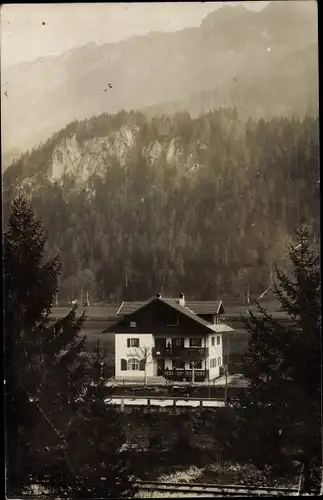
160, 367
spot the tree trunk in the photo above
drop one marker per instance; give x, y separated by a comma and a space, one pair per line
145, 374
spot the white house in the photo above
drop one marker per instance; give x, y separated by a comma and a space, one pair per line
165, 338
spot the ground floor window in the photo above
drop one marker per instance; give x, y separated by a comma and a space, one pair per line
178, 365
213, 363
133, 364
197, 365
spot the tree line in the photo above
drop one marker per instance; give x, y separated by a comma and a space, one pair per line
204, 205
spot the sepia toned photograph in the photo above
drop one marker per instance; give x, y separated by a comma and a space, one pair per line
161, 250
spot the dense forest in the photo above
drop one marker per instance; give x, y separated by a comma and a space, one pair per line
136, 205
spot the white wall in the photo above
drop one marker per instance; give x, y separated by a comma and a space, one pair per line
216, 352
146, 340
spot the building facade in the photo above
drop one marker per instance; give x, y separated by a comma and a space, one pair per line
166, 338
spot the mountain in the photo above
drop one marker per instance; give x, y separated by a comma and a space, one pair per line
206, 205
277, 93
264, 63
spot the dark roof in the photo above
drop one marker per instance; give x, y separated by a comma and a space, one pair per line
204, 306
184, 310
197, 306
92, 312
181, 309
130, 307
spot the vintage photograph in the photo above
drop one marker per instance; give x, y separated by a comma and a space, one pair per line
161, 250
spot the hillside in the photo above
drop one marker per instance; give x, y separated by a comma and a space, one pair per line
205, 205
264, 63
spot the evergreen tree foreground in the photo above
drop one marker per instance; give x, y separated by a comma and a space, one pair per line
59, 433
280, 415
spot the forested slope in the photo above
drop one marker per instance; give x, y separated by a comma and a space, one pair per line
202, 205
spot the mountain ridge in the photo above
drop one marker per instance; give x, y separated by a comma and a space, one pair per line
158, 68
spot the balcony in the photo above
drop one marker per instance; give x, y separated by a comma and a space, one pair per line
181, 375
184, 354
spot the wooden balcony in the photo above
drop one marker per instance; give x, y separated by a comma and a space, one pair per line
181, 375
184, 354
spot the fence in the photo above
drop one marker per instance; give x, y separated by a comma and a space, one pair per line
166, 403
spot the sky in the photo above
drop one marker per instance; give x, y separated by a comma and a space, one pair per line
29, 31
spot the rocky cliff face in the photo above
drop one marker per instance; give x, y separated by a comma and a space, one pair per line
73, 163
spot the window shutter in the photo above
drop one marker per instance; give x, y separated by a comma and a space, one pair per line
142, 364
128, 342
123, 364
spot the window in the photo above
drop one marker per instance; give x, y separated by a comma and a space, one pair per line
178, 342
219, 361
218, 340
133, 324
213, 363
133, 364
178, 365
196, 342
132, 342
213, 340
216, 320
197, 365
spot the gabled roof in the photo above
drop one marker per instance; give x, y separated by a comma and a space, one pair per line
197, 306
182, 310
128, 307
92, 312
205, 306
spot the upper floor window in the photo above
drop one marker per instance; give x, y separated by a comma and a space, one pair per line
132, 342
195, 342
133, 324
218, 340
213, 340
216, 320
178, 342
219, 361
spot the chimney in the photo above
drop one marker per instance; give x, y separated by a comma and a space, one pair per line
181, 299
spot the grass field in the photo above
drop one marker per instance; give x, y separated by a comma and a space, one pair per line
106, 340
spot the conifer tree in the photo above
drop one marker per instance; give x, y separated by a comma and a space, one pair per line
52, 386
281, 411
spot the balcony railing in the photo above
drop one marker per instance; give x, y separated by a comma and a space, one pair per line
185, 354
179, 375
